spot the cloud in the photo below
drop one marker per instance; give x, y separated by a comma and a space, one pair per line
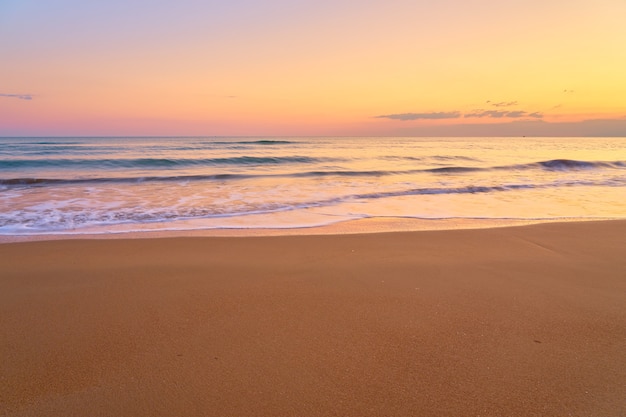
480, 113
537, 128
419, 116
503, 103
18, 96
498, 114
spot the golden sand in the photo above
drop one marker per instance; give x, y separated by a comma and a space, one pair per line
519, 321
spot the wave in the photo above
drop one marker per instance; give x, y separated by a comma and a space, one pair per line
159, 162
121, 180
171, 163
34, 181
449, 190
453, 170
42, 182
549, 165
74, 217
429, 158
26, 182
338, 173
250, 142
264, 142
59, 143
569, 164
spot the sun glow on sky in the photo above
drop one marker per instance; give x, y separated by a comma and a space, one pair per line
279, 67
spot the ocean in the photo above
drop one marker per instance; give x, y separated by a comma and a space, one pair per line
124, 184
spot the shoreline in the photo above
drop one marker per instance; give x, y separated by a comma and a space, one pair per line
513, 321
358, 226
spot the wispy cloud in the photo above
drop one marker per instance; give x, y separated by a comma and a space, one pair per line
521, 127
421, 116
497, 114
502, 103
18, 96
476, 113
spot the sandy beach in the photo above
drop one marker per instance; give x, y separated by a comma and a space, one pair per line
514, 321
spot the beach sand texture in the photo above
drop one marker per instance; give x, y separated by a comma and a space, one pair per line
520, 321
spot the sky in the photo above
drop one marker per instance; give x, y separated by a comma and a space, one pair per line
304, 68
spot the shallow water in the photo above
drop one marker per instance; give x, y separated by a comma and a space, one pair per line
101, 185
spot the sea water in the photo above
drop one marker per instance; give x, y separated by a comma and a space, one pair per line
122, 184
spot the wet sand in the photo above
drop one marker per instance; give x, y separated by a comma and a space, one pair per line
514, 321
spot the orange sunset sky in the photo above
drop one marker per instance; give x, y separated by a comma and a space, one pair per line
276, 67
